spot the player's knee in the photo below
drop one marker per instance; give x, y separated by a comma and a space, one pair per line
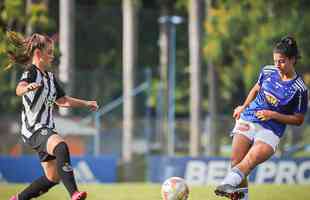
53, 142
258, 158
54, 178
61, 148
253, 160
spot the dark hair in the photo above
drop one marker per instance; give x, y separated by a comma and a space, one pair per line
287, 46
21, 49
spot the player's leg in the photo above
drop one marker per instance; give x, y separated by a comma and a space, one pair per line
50, 170
242, 133
42, 184
57, 147
240, 147
265, 144
258, 153
35, 189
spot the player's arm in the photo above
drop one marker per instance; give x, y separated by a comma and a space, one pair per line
251, 96
23, 87
27, 82
294, 119
297, 118
63, 100
67, 101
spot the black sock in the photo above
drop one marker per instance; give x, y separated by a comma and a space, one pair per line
64, 169
36, 188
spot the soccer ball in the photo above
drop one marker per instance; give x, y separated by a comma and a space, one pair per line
174, 188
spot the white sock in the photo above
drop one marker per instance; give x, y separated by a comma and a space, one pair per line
234, 177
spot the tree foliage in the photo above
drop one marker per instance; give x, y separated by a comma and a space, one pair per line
240, 37
13, 16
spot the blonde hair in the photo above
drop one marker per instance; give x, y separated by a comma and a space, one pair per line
21, 49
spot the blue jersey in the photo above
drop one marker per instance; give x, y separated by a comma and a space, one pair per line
286, 97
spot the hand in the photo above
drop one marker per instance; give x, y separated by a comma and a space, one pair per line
265, 115
92, 105
238, 111
33, 86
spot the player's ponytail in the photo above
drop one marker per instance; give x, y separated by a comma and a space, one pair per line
287, 46
20, 49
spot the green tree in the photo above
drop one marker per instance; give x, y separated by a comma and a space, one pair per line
240, 38
13, 16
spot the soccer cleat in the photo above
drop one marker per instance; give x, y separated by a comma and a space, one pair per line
79, 195
14, 198
229, 191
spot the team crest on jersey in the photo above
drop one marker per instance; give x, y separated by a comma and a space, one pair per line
50, 101
25, 75
271, 99
43, 132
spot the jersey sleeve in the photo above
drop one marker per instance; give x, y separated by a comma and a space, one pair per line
29, 75
302, 102
59, 91
260, 78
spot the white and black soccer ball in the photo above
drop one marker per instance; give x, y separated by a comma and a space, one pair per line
174, 188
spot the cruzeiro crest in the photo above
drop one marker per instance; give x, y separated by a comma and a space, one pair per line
271, 99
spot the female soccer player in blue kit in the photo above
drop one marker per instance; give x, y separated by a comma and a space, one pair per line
279, 97
40, 91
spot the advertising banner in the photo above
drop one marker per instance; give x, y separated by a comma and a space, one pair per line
87, 169
202, 171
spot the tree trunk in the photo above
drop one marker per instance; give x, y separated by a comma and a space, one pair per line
67, 46
129, 62
164, 59
195, 51
212, 148
29, 28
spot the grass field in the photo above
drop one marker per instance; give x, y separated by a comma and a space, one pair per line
144, 191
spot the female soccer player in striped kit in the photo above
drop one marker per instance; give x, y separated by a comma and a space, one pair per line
279, 98
40, 91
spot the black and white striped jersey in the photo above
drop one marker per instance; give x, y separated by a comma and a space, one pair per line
38, 105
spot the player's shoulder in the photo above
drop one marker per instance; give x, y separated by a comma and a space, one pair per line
50, 74
269, 69
299, 84
30, 69
29, 72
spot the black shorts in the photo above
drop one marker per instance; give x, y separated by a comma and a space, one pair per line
38, 142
